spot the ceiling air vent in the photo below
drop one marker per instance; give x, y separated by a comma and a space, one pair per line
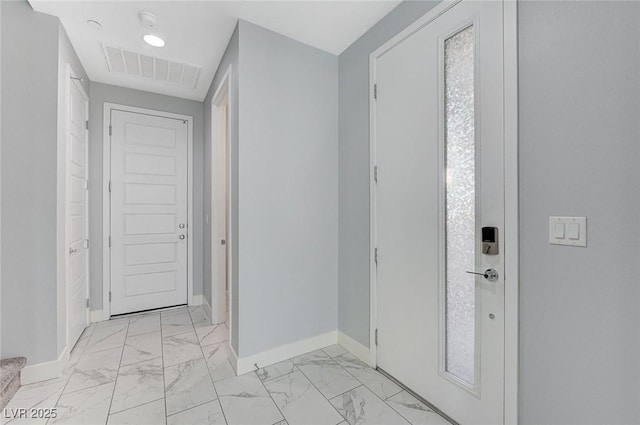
149, 67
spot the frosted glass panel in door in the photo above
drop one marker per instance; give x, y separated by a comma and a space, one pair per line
460, 195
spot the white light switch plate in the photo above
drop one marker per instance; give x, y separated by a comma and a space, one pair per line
570, 231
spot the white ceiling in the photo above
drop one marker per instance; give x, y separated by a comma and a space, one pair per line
197, 32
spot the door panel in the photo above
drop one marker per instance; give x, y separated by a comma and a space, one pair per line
439, 153
148, 212
77, 221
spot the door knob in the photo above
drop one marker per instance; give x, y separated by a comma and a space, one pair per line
490, 274
181, 236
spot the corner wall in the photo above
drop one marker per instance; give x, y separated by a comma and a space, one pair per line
34, 50
288, 209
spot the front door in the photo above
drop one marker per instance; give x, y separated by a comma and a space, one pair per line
439, 195
148, 212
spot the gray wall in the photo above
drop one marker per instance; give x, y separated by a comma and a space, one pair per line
33, 48
101, 93
579, 140
354, 168
579, 107
288, 187
230, 57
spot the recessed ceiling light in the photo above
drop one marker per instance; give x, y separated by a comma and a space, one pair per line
153, 40
94, 24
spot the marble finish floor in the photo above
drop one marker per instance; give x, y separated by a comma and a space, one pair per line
172, 368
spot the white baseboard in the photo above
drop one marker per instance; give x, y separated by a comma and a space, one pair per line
43, 371
197, 299
207, 308
284, 352
96, 316
233, 358
360, 351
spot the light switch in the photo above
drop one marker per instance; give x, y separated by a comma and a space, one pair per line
559, 233
573, 231
568, 231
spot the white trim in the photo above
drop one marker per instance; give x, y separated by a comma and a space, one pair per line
197, 300
511, 279
205, 306
106, 204
233, 357
354, 347
216, 315
44, 371
284, 352
97, 316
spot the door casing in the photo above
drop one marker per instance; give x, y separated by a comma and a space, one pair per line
510, 44
218, 294
106, 199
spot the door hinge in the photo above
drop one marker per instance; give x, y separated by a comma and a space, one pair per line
86, 243
87, 302
375, 91
109, 241
110, 130
86, 185
109, 186
375, 173
109, 296
375, 256
86, 124
376, 337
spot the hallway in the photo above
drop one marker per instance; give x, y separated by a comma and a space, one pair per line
173, 366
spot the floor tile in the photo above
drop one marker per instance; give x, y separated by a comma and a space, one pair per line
147, 414
138, 384
245, 401
181, 348
143, 324
325, 373
205, 414
212, 334
335, 350
108, 337
300, 402
414, 410
86, 407
187, 385
172, 311
119, 321
198, 315
41, 395
371, 378
176, 324
140, 348
276, 370
217, 357
94, 369
360, 406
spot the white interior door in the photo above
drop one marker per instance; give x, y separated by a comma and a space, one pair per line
439, 152
148, 212
77, 213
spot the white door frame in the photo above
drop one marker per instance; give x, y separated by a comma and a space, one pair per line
63, 230
106, 198
510, 43
224, 88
